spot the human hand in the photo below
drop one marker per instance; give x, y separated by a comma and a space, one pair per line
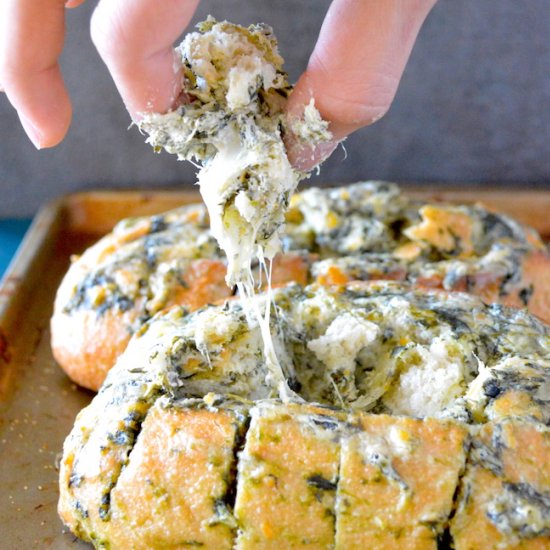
352, 74
355, 68
134, 37
31, 40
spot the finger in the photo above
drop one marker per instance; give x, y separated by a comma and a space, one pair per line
135, 39
356, 66
31, 40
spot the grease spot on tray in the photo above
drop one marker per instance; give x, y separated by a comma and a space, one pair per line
5, 353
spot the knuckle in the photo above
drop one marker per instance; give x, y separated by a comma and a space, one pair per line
359, 102
108, 32
353, 95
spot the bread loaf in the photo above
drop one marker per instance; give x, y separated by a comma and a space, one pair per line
360, 232
399, 432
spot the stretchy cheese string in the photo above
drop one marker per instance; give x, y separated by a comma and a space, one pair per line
252, 310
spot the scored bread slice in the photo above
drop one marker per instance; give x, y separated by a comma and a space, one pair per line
504, 499
397, 481
176, 488
288, 474
96, 451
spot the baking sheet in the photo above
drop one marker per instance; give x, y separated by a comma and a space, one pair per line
38, 403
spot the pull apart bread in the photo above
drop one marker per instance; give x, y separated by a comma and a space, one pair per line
413, 415
364, 231
418, 418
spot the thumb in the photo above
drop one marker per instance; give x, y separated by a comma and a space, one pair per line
355, 68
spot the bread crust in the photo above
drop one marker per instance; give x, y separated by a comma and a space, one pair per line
495, 505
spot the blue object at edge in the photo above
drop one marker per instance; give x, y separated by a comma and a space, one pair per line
12, 232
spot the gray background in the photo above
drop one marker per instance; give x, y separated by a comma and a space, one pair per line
473, 106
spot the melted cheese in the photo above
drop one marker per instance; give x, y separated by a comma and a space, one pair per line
232, 126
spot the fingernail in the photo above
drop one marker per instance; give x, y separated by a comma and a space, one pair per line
305, 158
32, 132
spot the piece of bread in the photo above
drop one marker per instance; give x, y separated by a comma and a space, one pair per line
287, 477
373, 231
187, 444
360, 232
397, 481
143, 265
504, 499
233, 130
